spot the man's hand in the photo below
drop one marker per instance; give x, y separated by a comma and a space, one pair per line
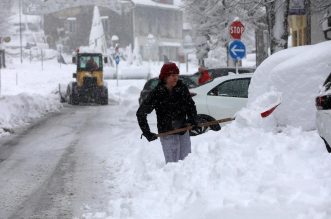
150, 136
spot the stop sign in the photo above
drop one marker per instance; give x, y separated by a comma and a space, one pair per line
236, 29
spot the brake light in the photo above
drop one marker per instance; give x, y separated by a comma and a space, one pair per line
323, 102
193, 94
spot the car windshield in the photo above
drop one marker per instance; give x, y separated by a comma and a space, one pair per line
88, 62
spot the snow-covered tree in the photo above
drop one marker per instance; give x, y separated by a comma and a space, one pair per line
320, 5
277, 17
210, 20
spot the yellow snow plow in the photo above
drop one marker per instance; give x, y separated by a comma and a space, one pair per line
89, 86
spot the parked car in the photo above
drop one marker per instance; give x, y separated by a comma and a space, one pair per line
323, 115
219, 72
151, 84
222, 97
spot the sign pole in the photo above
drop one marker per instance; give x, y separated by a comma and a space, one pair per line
116, 75
117, 61
0, 80
186, 56
236, 67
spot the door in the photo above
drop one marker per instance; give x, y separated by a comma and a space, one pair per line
228, 97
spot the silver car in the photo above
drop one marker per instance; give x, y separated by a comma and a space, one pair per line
323, 115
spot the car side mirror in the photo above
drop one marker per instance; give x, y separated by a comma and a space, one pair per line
74, 75
74, 59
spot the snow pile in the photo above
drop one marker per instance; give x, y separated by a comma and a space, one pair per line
250, 169
297, 74
127, 72
237, 173
29, 91
21, 109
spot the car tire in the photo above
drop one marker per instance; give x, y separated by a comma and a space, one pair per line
207, 118
201, 130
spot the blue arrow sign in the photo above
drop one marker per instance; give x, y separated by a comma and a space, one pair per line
117, 59
237, 50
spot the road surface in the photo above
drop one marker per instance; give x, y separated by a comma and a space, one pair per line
57, 167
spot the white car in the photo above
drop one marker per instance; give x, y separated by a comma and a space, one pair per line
223, 96
323, 115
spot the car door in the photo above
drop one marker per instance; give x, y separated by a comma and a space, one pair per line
228, 97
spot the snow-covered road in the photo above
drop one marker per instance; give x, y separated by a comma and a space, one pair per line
57, 167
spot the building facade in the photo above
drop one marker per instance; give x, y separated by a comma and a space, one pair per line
154, 26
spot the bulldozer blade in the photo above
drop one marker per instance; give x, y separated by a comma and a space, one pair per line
63, 92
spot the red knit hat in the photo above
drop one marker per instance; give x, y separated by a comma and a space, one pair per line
168, 69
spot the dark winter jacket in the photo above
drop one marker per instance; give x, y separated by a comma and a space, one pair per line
173, 109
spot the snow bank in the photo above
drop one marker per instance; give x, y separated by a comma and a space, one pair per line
236, 173
126, 72
29, 91
21, 109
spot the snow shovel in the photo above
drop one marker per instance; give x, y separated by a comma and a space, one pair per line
264, 114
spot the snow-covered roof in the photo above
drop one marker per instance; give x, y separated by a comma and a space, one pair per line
155, 4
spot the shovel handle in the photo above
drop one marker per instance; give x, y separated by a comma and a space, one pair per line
188, 128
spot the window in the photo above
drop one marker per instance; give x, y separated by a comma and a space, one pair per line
71, 24
151, 84
104, 20
232, 88
83, 60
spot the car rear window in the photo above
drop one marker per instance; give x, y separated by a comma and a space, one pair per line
188, 82
151, 84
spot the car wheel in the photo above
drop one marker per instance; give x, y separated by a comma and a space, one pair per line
207, 118
200, 130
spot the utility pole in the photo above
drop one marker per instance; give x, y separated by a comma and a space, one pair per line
20, 17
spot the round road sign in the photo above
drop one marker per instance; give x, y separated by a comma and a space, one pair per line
237, 50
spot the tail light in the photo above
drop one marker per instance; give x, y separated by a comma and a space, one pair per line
193, 94
323, 102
